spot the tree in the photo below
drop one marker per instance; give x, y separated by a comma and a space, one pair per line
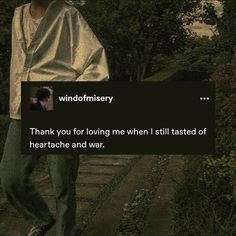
225, 23
134, 32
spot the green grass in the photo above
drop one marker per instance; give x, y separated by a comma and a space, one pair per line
162, 75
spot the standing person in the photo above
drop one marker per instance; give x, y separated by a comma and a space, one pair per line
51, 41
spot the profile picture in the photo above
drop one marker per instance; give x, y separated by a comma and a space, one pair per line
41, 99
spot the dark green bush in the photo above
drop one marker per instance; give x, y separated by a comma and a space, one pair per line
206, 198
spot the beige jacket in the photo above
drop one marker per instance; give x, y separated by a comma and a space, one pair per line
64, 48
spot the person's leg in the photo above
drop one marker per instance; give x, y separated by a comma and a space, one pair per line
63, 171
15, 170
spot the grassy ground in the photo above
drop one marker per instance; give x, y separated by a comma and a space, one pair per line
162, 75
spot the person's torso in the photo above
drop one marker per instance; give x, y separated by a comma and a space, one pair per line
30, 25
43, 48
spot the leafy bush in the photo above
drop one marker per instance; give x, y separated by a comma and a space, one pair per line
206, 197
199, 54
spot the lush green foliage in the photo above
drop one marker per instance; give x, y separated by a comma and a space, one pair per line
225, 23
206, 199
201, 54
135, 32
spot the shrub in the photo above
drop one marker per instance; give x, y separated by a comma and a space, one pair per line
206, 198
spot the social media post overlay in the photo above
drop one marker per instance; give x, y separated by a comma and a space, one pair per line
118, 117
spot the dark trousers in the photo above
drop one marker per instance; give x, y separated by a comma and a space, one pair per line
15, 171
